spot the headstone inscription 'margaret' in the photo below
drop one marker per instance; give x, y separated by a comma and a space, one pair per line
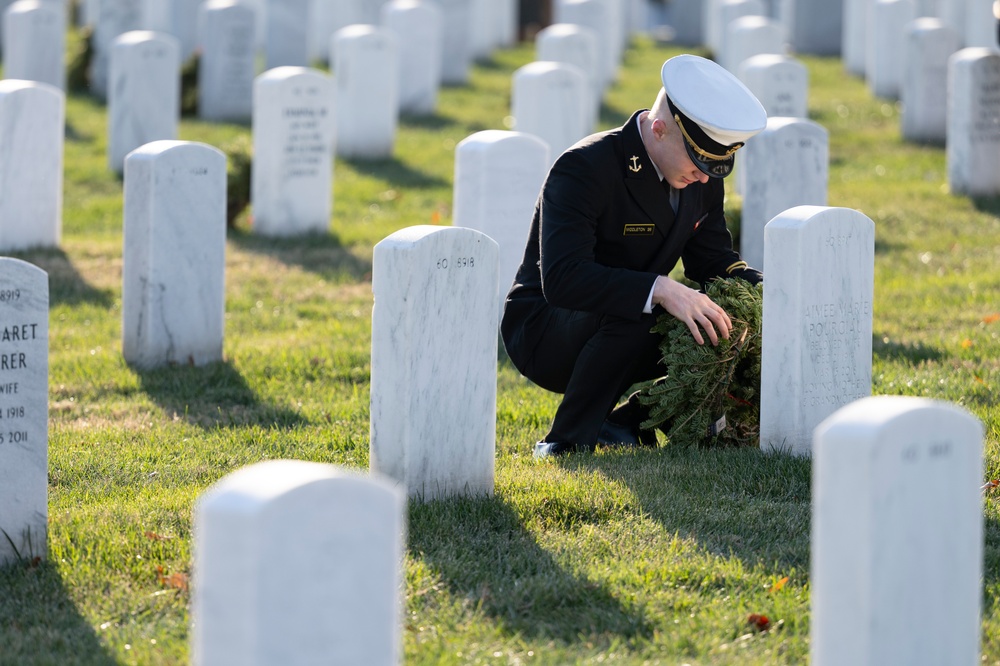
34, 42
897, 533
366, 79
552, 101
173, 274
32, 131
291, 185
498, 175
929, 43
817, 321
227, 67
786, 165
434, 361
298, 563
420, 47
24, 410
144, 92
973, 142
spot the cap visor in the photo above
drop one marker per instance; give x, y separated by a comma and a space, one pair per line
712, 168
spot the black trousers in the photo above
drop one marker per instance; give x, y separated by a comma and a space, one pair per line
592, 359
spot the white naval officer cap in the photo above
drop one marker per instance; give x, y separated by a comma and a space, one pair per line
715, 111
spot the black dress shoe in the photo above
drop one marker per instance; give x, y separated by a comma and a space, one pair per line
623, 426
552, 449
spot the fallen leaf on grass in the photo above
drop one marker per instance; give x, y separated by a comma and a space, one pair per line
990, 318
980, 379
153, 536
990, 485
177, 581
758, 622
966, 343
778, 585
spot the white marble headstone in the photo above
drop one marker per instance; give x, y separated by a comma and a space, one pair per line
32, 131
725, 12
228, 61
418, 27
596, 15
174, 258
34, 42
749, 36
498, 176
293, 137
779, 82
552, 101
973, 142
813, 26
434, 361
929, 44
886, 40
366, 77
144, 92
456, 60
854, 36
574, 45
111, 19
817, 321
785, 165
24, 410
897, 534
286, 33
298, 563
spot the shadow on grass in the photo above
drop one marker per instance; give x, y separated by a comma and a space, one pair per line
395, 172
212, 396
39, 623
733, 502
485, 554
322, 254
895, 351
66, 285
987, 204
433, 121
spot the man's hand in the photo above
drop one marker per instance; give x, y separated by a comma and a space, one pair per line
693, 308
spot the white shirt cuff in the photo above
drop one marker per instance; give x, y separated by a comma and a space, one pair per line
648, 309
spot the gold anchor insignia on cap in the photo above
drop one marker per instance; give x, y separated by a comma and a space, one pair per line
635, 167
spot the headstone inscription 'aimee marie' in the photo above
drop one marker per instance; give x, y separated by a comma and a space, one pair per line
434, 361
897, 534
298, 563
173, 273
817, 321
291, 185
24, 410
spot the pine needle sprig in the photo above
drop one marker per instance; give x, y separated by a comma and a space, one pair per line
704, 382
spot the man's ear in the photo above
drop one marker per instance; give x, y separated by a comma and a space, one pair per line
659, 128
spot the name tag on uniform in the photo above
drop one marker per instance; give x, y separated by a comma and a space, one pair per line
638, 230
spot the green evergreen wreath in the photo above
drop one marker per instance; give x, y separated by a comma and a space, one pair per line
704, 383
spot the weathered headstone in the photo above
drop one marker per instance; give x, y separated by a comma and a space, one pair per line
434, 361
897, 532
574, 45
367, 91
552, 101
498, 176
780, 83
298, 563
749, 36
854, 36
173, 286
784, 166
813, 26
32, 128
286, 33
144, 92
293, 139
929, 44
457, 49
973, 143
817, 321
34, 42
419, 49
112, 18
596, 15
228, 61
24, 410
886, 39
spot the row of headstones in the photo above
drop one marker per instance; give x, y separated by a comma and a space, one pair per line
897, 519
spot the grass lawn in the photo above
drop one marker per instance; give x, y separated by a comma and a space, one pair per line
652, 557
